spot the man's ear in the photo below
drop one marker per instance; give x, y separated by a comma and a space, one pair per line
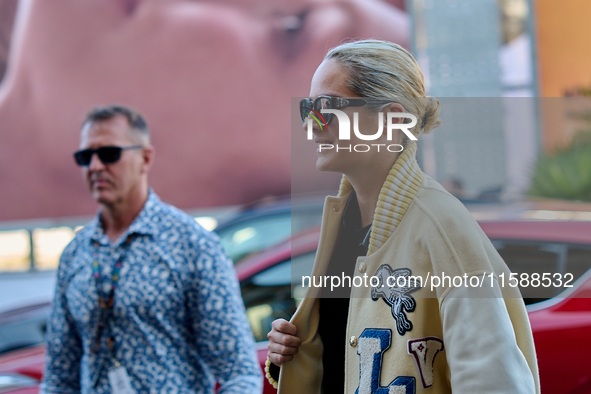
147, 158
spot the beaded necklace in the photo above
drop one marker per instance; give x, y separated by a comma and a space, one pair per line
106, 304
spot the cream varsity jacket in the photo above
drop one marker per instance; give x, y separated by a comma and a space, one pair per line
406, 336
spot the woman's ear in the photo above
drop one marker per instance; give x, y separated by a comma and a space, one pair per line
397, 136
394, 107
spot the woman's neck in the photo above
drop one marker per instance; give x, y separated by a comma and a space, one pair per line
368, 185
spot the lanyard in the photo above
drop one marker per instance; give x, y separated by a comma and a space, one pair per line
106, 304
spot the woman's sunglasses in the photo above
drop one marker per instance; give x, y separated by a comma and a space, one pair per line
313, 107
106, 154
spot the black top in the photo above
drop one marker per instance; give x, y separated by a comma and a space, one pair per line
334, 305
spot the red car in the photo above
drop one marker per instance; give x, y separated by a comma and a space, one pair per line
545, 237
23, 329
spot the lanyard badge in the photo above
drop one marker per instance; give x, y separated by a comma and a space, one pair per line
119, 380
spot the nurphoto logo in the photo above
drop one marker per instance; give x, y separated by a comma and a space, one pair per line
345, 130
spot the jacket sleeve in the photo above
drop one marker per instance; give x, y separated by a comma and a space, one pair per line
64, 347
480, 343
224, 339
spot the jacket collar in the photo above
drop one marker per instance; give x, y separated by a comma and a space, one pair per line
400, 188
143, 224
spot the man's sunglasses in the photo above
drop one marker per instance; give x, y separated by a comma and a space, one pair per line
106, 154
313, 107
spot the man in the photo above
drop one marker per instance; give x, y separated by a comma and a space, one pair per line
146, 300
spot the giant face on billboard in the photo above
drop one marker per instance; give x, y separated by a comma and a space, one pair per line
213, 78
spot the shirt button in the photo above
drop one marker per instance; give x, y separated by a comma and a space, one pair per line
362, 268
336, 208
353, 341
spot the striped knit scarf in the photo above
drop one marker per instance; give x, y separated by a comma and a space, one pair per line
400, 188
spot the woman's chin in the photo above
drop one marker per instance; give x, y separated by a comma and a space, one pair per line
324, 163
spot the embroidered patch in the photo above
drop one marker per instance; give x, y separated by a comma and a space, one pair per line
394, 287
424, 351
372, 344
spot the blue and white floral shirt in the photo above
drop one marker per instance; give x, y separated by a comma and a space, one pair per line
178, 319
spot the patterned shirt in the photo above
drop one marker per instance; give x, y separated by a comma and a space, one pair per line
178, 320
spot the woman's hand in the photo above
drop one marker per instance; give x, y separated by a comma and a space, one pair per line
283, 343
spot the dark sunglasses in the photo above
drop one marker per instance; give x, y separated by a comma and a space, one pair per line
312, 107
106, 154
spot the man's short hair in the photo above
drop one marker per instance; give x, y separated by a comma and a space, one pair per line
134, 119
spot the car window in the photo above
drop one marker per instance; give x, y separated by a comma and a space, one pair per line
23, 327
531, 258
255, 235
302, 219
268, 294
578, 260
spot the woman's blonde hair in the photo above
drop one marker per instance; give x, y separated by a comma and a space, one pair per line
382, 70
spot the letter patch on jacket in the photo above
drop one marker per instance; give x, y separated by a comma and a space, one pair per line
424, 351
394, 287
372, 344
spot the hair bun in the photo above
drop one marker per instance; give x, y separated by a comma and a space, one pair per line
430, 119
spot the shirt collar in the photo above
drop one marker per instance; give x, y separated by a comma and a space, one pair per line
143, 224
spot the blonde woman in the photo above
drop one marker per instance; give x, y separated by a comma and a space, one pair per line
393, 222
